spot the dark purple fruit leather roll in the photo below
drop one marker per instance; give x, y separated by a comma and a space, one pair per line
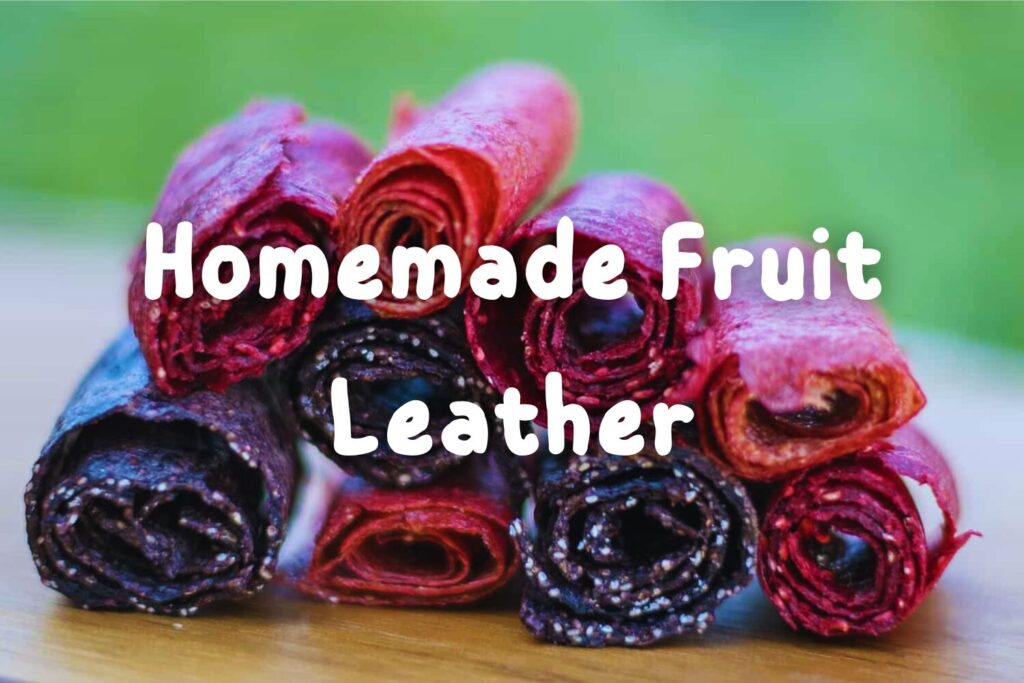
386, 363
141, 501
633, 550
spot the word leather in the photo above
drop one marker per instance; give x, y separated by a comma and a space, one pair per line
468, 432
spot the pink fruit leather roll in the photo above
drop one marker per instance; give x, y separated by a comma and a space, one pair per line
843, 548
265, 178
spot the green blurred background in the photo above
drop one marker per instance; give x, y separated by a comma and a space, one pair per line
905, 122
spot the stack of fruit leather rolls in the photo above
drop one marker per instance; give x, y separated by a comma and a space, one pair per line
141, 501
461, 172
266, 178
632, 550
640, 347
812, 398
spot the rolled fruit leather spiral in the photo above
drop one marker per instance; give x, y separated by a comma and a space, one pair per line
641, 347
142, 501
265, 178
461, 172
797, 383
632, 550
843, 547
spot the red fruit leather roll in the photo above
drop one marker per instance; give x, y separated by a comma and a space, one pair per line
797, 383
843, 547
140, 501
433, 546
641, 347
263, 178
461, 172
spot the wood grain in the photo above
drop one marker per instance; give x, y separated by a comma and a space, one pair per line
60, 307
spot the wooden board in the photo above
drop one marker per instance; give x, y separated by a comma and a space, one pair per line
59, 307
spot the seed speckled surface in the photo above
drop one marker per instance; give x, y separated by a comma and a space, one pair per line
386, 363
816, 518
140, 501
630, 551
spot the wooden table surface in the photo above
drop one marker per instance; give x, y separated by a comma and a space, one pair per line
60, 306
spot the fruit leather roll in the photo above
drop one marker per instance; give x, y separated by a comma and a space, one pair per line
442, 544
641, 347
797, 383
387, 362
629, 551
139, 501
843, 547
461, 172
265, 178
